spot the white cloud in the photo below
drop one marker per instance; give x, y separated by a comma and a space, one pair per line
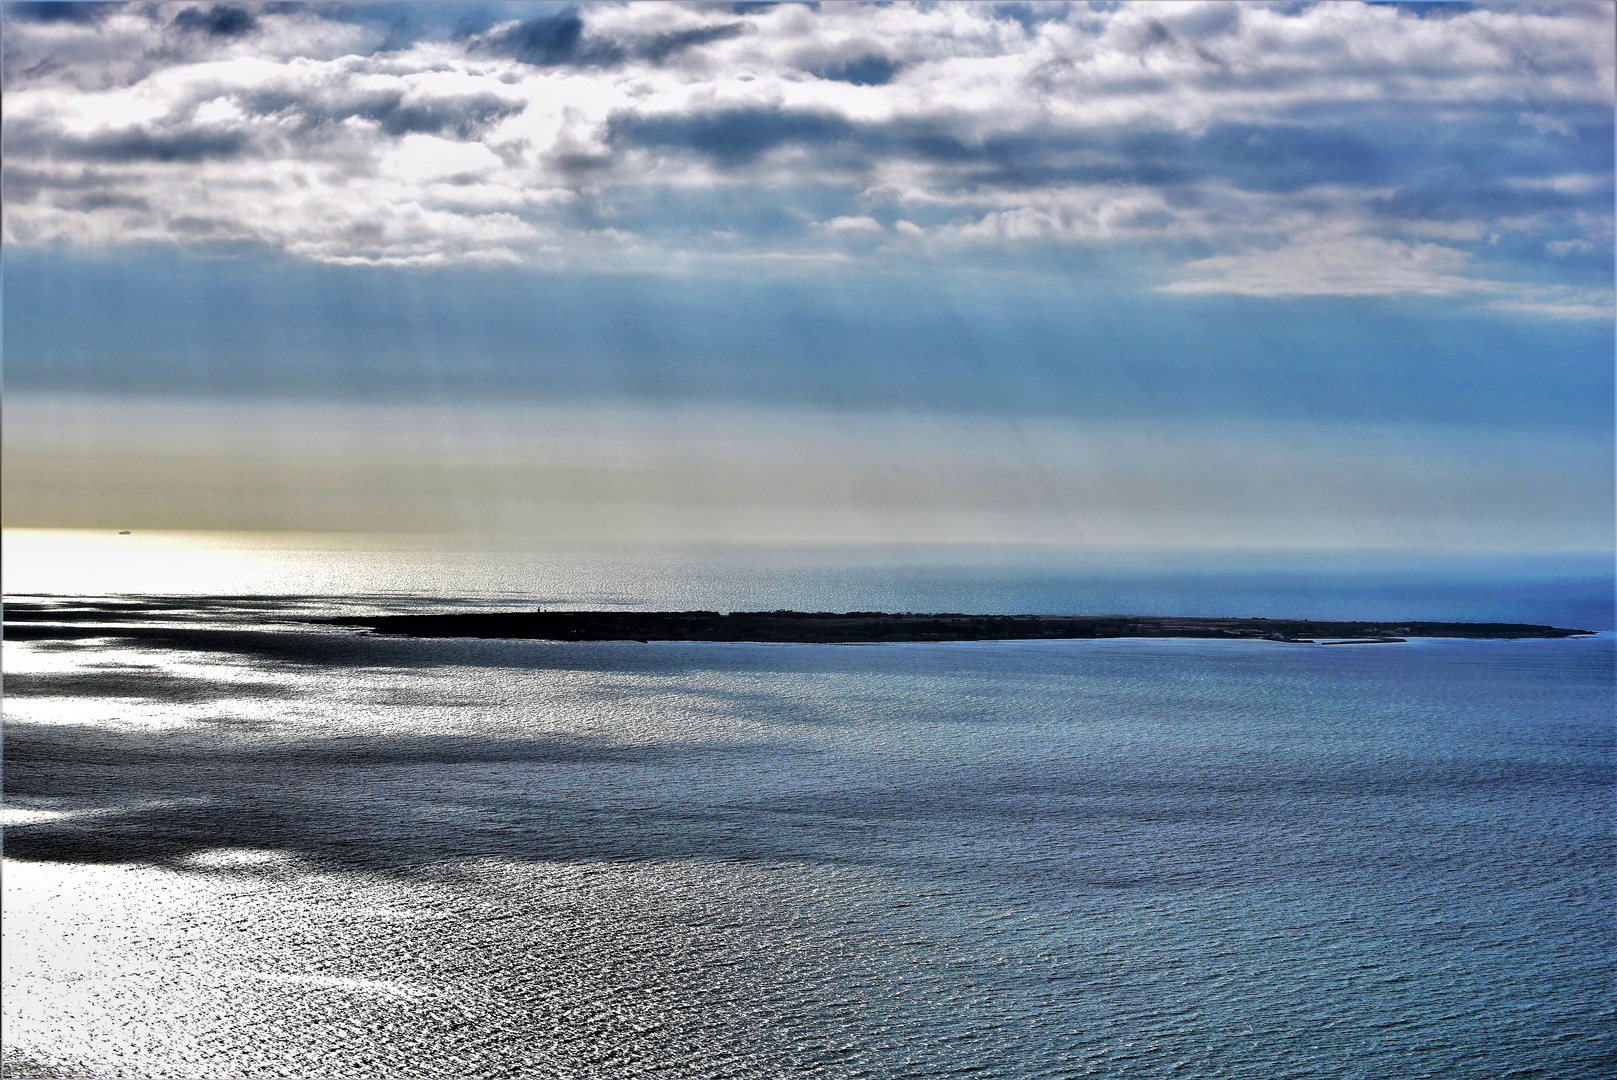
1337, 266
854, 225
425, 157
1569, 247
1581, 184
1544, 124
1561, 302
1243, 127
1372, 266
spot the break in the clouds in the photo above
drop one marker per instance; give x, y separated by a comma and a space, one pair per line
1328, 150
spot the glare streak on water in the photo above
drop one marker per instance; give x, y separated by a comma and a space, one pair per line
248, 846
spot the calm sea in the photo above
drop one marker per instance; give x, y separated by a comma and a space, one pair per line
245, 845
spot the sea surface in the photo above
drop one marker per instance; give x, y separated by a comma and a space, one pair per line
246, 844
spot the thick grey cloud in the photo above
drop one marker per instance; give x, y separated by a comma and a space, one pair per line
138, 146
221, 21
392, 110
872, 69
661, 46
560, 39
1470, 145
734, 136
549, 41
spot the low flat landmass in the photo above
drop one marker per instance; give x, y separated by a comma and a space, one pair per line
874, 626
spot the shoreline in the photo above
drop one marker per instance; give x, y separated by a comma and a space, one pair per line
863, 627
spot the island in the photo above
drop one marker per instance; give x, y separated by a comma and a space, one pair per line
859, 627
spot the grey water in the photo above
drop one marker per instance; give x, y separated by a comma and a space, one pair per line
247, 845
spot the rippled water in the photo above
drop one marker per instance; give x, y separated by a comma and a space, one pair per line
249, 846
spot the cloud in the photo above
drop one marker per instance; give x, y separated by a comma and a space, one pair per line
1373, 266
137, 145
549, 41
1545, 124
871, 69
733, 137
863, 224
1569, 247
220, 21
562, 38
1561, 302
1328, 149
662, 46
1337, 266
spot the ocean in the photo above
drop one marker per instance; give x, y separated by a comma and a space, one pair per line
244, 844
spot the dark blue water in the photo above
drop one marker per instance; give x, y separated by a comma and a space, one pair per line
256, 847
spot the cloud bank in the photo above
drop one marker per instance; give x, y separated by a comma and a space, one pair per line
1258, 150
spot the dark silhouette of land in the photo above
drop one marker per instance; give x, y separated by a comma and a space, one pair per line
875, 626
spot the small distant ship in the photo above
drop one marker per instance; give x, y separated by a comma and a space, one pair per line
123, 532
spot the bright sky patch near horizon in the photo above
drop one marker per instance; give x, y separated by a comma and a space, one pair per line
1244, 275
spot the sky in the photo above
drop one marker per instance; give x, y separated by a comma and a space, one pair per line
1242, 275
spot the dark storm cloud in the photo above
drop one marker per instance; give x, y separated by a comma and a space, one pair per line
220, 21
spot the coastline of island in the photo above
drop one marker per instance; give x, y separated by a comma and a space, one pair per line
871, 627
